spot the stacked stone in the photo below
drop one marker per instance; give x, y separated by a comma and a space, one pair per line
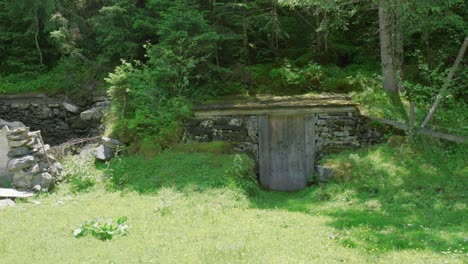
58, 119
372, 134
240, 131
30, 167
334, 132
337, 131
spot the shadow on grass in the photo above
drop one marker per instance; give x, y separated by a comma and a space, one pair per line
194, 172
394, 199
390, 198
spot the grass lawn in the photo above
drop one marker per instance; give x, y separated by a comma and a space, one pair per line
397, 204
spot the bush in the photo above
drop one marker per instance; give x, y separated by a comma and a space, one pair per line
141, 110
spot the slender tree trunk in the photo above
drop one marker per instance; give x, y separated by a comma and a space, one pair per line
245, 41
216, 42
460, 55
386, 50
398, 44
317, 22
325, 34
36, 38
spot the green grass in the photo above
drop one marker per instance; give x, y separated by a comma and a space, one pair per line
401, 204
451, 116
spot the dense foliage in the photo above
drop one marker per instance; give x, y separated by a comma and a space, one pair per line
157, 56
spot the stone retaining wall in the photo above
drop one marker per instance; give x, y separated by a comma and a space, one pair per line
24, 161
241, 131
58, 118
334, 132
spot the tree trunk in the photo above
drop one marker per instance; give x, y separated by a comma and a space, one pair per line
245, 41
317, 22
386, 20
460, 55
398, 45
36, 38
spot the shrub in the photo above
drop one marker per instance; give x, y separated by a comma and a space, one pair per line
298, 79
141, 110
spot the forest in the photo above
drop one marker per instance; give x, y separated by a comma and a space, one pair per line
159, 56
161, 196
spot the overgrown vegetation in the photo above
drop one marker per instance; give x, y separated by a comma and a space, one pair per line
157, 57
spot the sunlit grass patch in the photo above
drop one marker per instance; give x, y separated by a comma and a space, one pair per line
184, 208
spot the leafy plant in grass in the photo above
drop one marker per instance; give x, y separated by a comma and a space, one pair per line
103, 229
80, 172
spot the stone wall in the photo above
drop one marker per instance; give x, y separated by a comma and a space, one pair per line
334, 132
25, 163
57, 117
241, 131
4, 149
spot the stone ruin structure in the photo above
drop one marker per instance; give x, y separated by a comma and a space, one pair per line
58, 117
24, 161
286, 135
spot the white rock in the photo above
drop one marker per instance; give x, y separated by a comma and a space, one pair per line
6, 203
103, 153
70, 107
235, 122
12, 193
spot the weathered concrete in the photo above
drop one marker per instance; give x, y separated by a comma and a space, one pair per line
4, 149
12, 193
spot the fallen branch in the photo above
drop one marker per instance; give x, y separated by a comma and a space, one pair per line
446, 83
423, 131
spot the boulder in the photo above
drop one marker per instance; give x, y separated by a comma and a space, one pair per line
324, 174
103, 153
93, 114
44, 180
110, 142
